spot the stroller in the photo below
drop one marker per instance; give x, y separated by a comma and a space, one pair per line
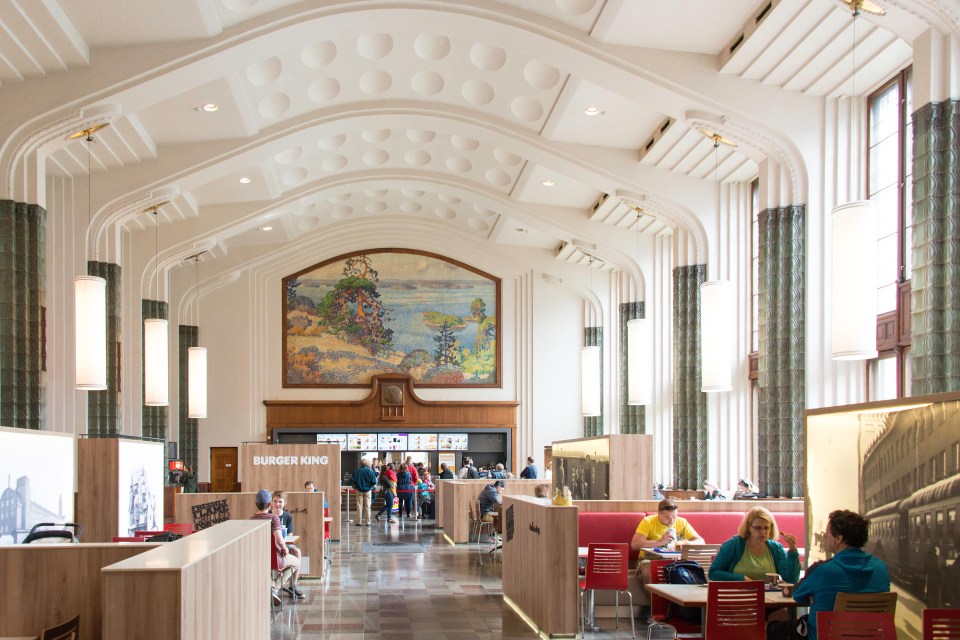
44, 533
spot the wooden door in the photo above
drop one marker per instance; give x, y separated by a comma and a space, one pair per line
223, 469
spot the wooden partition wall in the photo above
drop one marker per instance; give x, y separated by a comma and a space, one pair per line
46, 584
285, 467
212, 584
650, 506
628, 459
306, 509
540, 562
457, 496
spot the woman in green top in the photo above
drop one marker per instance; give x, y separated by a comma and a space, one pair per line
755, 552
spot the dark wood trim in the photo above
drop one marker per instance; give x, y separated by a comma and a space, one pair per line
904, 291
753, 362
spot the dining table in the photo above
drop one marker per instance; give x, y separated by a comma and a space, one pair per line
695, 595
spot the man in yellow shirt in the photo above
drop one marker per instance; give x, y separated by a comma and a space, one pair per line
666, 529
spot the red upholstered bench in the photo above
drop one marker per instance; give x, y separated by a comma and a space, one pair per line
609, 527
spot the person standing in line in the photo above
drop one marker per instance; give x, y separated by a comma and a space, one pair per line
530, 471
445, 473
405, 490
364, 480
412, 469
499, 472
189, 479
388, 480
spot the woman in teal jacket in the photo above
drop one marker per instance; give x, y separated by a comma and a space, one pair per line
755, 552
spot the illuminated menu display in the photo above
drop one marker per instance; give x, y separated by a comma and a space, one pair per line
422, 441
452, 441
362, 441
333, 438
392, 441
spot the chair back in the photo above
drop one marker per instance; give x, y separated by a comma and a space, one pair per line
658, 605
608, 566
883, 602
69, 630
736, 610
183, 528
941, 624
702, 553
129, 538
273, 555
841, 625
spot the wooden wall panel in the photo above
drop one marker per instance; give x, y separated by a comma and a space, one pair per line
46, 584
540, 563
457, 495
306, 508
290, 477
98, 468
650, 506
631, 463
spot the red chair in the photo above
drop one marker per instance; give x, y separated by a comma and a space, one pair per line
843, 625
941, 624
278, 576
608, 568
736, 610
180, 528
129, 538
659, 606
146, 533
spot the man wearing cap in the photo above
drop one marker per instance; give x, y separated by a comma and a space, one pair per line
665, 529
284, 557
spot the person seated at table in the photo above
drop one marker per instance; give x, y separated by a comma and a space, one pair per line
489, 499
309, 487
711, 492
755, 551
278, 508
542, 493
285, 558
747, 489
664, 529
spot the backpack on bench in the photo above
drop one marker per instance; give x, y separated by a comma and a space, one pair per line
684, 572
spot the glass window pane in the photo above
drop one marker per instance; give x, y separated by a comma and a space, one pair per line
887, 299
884, 113
886, 202
908, 254
887, 270
882, 376
884, 164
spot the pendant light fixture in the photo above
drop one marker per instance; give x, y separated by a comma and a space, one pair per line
590, 384
639, 350
90, 304
156, 353
854, 269
197, 364
716, 312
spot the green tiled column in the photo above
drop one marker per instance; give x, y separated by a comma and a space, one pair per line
935, 281
103, 407
593, 425
189, 427
782, 350
23, 280
154, 418
689, 402
632, 417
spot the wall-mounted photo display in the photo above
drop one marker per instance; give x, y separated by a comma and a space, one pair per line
361, 441
37, 469
392, 442
584, 467
140, 484
422, 442
333, 438
452, 441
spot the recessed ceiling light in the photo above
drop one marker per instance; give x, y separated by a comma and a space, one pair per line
266, 227
548, 183
593, 111
244, 180
210, 107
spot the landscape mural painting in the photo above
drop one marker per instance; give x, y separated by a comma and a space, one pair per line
391, 311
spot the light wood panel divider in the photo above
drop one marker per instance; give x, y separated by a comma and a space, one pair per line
98, 494
212, 584
306, 509
46, 584
286, 467
540, 562
455, 497
631, 462
650, 506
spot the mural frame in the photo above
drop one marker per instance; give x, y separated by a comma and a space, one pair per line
495, 378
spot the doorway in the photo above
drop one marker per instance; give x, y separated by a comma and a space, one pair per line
223, 469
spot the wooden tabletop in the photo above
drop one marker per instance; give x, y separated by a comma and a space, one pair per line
695, 595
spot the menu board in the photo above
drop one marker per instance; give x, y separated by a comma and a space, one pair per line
422, 442
361, 441
452, 441
333, 438
392, 441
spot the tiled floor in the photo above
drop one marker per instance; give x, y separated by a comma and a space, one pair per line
445, 593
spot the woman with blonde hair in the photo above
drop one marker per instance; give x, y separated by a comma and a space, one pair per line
754, 551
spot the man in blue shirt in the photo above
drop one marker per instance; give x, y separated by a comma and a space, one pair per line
530, 471
850, 570
364, 480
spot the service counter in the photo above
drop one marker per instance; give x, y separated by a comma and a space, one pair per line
211, 584
650, 506
454, 499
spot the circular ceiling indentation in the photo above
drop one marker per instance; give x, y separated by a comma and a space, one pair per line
420, 136
447, 198
294, 176
541, 75
477, 92
416, 157
318, 54
340, 197
410, 207
484, 211
376, 193
331, 142
412, 193
374, 46
477, 224
505, 157
526, 108
497, 177
323, 90
375, 136
458, 164
376, 206
274, 106
333, 163
375, 157
341, 212
430, 46
575, 7
264, 72
487, 57
445, 213
427, 83
239, 5
463, 143
288, 156
305, 224
375, 81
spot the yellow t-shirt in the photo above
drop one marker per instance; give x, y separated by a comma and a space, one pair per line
652, 529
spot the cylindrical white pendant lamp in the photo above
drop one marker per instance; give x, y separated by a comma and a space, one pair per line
90, 324
197, 382
854, 276
156, 376
639, 361
590, 381
716, 336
